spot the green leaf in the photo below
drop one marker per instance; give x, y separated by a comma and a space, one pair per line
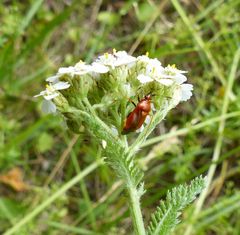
165, 218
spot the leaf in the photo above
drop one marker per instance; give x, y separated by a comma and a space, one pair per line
14, 179
165, 218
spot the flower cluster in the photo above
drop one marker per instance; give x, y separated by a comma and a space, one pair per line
166, 76
110, 81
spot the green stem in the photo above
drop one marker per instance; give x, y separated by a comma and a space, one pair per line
122, 162
136, 211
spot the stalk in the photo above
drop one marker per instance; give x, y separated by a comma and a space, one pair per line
122, 162
136, 213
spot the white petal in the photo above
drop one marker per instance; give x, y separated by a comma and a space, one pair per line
81, 68
121, 53
99, 68
154, 68
53, 79
50, 96
64, 70
48, 106
144, 79
61, 85
186, 91
177, 95
180, 78
124, 61
123, 58
143, 58
37, 95
166, 82
181, 71
173, 70
155, 62
106, 59
42, 93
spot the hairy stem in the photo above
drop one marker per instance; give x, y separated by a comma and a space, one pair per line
136, 211
122, 163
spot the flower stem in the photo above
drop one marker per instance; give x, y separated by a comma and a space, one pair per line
136, 211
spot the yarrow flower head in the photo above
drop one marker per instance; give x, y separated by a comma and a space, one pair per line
114, 96
110, 81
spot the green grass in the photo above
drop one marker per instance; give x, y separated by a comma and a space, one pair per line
38, 37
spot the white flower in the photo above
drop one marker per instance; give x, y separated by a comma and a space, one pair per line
173, 73
66, 70
143, 58
154, 67
145, 79
48, 106
79, 69
182, 93
122, 58
177, 75
153, 72
186, 90
51, 90
99, 68
106, 59
118, 58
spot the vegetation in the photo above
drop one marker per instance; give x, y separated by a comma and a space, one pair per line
54, 182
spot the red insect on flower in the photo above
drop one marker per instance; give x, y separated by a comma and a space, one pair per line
136, 118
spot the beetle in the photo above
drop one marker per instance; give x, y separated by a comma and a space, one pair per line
136, 118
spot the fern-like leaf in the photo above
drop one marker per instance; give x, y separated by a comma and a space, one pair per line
165, 218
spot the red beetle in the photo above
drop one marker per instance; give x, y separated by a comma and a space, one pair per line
136, 118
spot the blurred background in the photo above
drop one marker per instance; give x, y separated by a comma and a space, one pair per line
38, 155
